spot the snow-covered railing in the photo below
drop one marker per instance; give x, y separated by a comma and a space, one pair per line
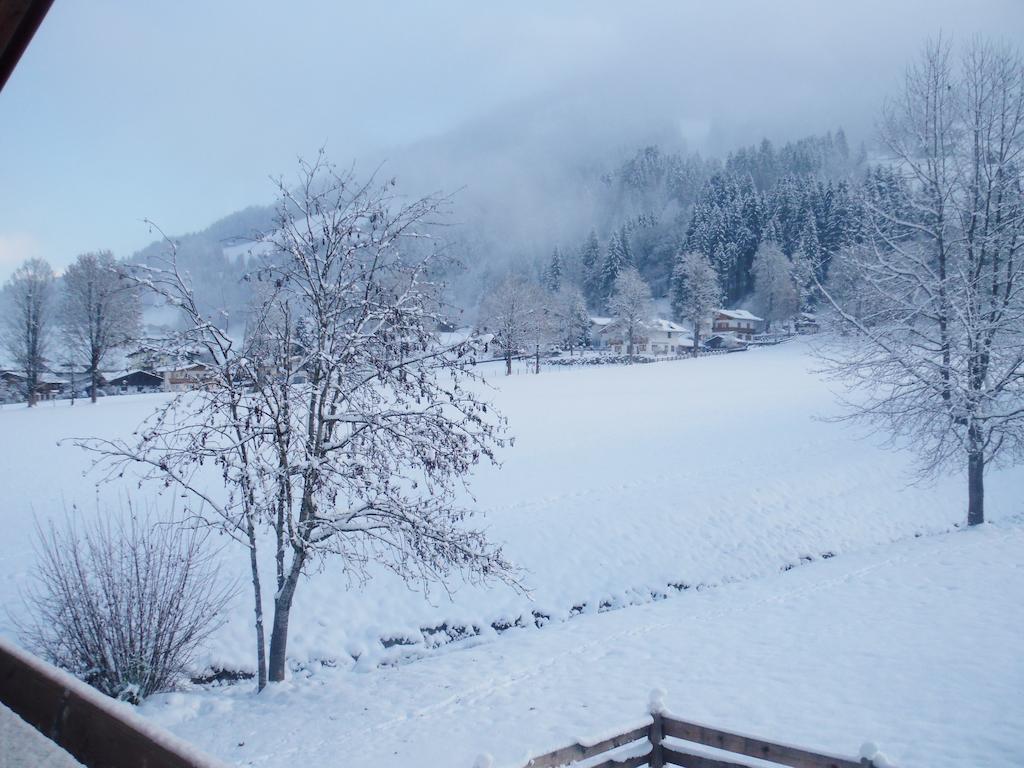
94, 729
666, 740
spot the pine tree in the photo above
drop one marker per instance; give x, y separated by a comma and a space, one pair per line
591, 263
614, 262
554, 272
625, 234
807, 263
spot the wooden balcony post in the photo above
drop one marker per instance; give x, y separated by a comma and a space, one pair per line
657, 734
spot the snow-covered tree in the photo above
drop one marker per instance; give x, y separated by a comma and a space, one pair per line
631, 305
615, 261
775, 290
99, 312
807, 263
27, 321
590, 265
555, 272
937, 349
515, 313
696, 292
341, 424
569, 310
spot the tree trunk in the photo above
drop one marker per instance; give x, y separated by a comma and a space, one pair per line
508, 363
282, 613
94, 382
975, 488
261, 647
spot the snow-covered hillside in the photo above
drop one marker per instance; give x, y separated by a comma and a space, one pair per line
714, 483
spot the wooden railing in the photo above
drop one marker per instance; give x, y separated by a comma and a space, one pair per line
94, 729
666, 740
98, 731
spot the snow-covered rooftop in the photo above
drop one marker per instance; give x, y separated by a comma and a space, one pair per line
660, 324
739, 314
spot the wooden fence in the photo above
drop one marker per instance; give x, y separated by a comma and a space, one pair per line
92, 728
665, 740
101, 733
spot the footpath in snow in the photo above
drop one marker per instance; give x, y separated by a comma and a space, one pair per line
915, 646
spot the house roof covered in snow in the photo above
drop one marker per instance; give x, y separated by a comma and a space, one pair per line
116, 376
738, 314
659, 324
602, 320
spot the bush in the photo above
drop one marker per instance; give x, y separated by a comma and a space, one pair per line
122, 602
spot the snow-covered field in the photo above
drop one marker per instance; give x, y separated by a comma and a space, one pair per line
623, 481
914, 646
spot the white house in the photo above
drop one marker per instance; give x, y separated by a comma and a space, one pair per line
736, 321
598, 325
655, 337
668, 338
178, 378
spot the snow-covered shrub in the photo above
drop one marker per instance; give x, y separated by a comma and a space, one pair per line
123, 601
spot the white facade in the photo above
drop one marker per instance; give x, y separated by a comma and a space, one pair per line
656, 337
668, 338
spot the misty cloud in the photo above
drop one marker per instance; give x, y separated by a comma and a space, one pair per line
179, 113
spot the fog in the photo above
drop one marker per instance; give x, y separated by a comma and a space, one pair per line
123, 111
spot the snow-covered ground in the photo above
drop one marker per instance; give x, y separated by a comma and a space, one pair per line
623, 481
914, 646
24, 746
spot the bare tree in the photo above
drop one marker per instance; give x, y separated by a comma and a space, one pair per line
28, 310
631, 305
570, 317
775, 289
515, 312
696, 291
99, 311
122, 603
341, 424
938, 346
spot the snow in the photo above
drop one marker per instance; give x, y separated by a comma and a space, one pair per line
117, 709
914, 646
715, 473
25, 747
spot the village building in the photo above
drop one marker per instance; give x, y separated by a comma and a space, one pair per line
806, 323
184, 376
597, 325
655, 337
126, 382
150, 357
668, 338
739, 322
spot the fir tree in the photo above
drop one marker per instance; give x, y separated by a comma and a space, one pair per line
614, 262
554, 272
591, 263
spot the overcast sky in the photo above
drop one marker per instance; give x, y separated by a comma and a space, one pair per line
179, 111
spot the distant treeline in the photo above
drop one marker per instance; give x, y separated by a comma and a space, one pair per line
803, 196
